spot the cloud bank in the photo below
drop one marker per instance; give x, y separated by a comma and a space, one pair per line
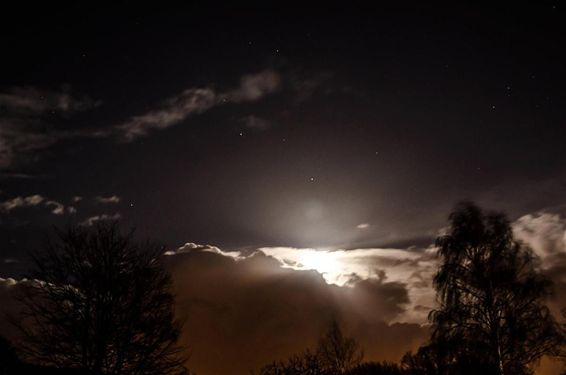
241, 312
243, 309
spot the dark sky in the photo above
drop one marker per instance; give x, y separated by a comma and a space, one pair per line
308, 122
279, 128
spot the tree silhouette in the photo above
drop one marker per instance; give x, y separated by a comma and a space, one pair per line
335, 355
100, 303
9, 361
446, 358
491, 296
338, 354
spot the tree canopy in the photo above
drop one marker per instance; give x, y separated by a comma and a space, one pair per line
100, 302
491, 296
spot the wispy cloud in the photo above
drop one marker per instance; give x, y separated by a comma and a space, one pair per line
253, 87
57, 208
27, 113
255, 123
110, 199
193, 101
191, 246
170, 112
103, 217
33, 101
25, 121
36, 200
29, 201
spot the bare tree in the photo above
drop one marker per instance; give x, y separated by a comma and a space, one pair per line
335, 355
491, 295
100, 302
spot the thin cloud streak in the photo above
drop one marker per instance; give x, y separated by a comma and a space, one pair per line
193, 101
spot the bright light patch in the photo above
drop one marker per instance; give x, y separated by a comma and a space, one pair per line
324, 262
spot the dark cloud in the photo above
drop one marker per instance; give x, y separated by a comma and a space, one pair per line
26, 121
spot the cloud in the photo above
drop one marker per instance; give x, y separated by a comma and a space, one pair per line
545, 233
193, 101
235, 303
362, 226
26, 121
93, 219
105, 200
255, 123
29, 201
191, 246
412, 267
244, 310
6, 283
254, 87
30, 100
57, 208
28, 114
169, 112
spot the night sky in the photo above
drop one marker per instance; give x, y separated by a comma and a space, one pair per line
347, 130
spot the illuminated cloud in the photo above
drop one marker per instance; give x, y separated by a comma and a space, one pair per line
191, 246
56, 208
544, 232
104, 217
236, 308
29, 201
